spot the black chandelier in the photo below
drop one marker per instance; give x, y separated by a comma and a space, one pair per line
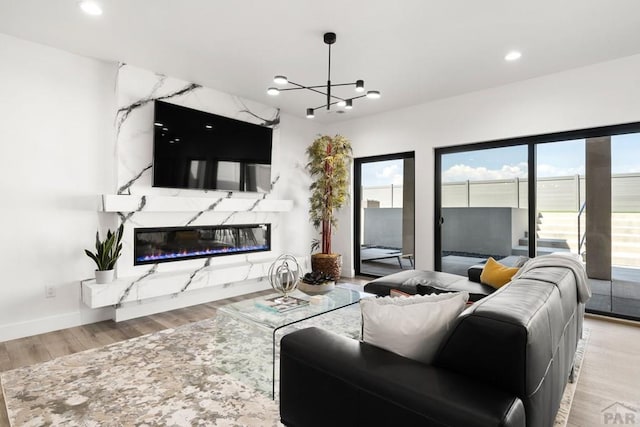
346, 103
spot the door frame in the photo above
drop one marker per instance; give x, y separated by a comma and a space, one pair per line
357, 206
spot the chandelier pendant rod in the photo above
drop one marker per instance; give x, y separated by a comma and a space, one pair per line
315, 86
329, 81
312, 88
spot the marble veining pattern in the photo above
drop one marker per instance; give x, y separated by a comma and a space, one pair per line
125, 294
207, 263
212, 207
124, 112
132, 181
126, 217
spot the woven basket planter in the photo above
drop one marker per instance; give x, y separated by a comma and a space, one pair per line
327, 263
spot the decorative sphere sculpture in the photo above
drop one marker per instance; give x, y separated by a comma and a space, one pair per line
284, 274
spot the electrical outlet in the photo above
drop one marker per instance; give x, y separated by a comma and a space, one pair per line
49, 292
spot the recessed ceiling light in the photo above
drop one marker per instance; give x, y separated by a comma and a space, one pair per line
208, 126
514, 55
91, 8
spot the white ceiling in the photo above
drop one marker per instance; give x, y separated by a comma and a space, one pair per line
413, 51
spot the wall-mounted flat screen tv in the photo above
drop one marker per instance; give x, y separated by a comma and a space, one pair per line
199, 150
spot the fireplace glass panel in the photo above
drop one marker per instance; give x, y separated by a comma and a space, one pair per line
154, 245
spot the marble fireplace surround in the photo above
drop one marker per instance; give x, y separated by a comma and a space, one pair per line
173, 279
145, 289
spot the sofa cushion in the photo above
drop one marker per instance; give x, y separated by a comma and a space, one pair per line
413, 326
424, 282
475, 271
476, 291
407, 280
495, 274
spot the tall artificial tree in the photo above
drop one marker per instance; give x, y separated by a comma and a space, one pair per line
329, 163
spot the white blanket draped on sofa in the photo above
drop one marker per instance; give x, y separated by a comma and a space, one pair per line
561, 260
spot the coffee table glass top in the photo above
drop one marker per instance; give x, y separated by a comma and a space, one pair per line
252, 310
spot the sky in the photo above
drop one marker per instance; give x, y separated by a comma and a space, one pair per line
382, 173
564, 158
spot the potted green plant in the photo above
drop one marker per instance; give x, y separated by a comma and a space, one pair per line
329, 163
106, 255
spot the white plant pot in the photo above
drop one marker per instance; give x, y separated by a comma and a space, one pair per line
104, 276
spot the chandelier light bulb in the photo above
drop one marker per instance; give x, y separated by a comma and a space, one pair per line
349, 104
273, 91
373, 94
310, 114
341, 103
280, 80
359, 85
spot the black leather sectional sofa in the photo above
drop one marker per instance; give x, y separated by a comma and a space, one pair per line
505, 363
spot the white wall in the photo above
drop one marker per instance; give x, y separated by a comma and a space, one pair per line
602, 94
56, 151
296, 134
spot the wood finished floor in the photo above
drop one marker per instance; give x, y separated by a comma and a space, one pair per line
610, 372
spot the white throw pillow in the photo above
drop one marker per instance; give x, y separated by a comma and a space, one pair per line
413, 326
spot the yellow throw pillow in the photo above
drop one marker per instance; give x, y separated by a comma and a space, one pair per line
495, 274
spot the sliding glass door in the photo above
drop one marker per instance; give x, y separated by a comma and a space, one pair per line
625, 225
576, 192
561, 199
484, 206
384, 214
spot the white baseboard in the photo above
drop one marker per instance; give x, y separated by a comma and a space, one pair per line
86, 315
51, 323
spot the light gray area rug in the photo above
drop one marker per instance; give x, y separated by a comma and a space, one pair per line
166, 378
175, 377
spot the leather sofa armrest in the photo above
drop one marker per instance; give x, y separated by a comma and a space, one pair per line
328, 379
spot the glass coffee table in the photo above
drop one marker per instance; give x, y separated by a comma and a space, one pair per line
248, 325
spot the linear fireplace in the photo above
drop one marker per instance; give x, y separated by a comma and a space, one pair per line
165, 244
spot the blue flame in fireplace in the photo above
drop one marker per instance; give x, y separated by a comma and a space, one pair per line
200, 253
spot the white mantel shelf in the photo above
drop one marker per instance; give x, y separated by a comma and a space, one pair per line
171, 283
152, 203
